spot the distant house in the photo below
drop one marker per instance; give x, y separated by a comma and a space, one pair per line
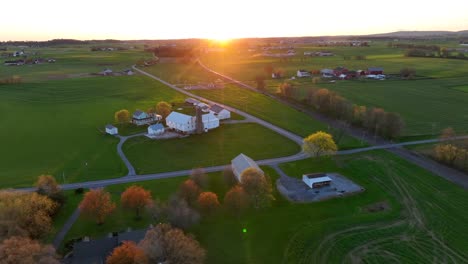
111, 130
303, 73
142, 118
340, 70
192, 101
240, 163
156, 129
308, 53
375, 71
128, 72
316, 180
106, 72
327, 73
181, 122
210, 121
14, 63
96, 251
220, 112
324, 53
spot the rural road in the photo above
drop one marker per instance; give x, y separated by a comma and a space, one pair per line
128, 164
441, 170
65, 228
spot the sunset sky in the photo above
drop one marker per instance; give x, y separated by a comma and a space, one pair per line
154, 19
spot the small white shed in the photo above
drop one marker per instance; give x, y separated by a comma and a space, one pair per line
111, 130
156, 129
316, 180
220, 112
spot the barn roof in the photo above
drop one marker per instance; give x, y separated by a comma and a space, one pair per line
109, 126
241, 163
156, 127
179, 118
375, 69
216, 108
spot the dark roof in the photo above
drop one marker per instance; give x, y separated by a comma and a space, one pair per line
109, 126
315, 175
96, 251
216, 108
375, 69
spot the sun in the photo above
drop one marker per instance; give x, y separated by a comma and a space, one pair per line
223, 41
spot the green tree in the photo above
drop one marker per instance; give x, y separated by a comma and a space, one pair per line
122, 116
163, 109
257, 187
319, 143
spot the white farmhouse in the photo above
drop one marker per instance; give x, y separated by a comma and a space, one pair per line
240, 163
156, 129
316, 180
111, 130
220, 112
210, 121
181, 122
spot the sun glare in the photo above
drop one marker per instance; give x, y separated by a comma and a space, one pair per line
222, 40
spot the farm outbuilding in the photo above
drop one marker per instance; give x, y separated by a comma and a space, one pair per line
242, 162
142, 118
111, 130
181, 122
210, 121
375, 71
316, 180
303, 73
220, 112
156, 129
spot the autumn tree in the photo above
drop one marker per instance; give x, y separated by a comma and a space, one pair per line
447, 133
136, 198
122, 116
180, 214
286, 89
260, 80
446, 153
319, 143
163, 108
165, 244
157, 210
229, 177
97, 204
189, 191
236, 200
208, 202
393, 125
198, 175
127, 253
25, 214
48, 186
257, 187
24, 250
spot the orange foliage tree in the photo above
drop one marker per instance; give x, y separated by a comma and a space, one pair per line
27, 251
189, 191
97, 204
135, 197
236, 200
208, 202
25, 214
127, 253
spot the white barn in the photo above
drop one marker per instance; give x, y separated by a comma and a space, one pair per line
111, 130
316, 180
156, 129
220, 112
181, 122
240, 163
210, 121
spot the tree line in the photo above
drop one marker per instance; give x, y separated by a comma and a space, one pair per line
451, 153
376, 120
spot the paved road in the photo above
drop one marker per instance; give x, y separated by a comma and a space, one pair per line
441, 170
130, 168
65, 228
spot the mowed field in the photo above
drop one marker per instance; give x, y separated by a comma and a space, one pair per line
435, 100
248, 101
218, 147
423, 221
53, 127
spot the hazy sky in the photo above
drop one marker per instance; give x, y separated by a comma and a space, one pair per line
161, 19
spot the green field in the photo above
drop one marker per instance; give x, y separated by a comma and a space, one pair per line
463, 88
428, 104
416, 227
217, 147
71, 62
53, 127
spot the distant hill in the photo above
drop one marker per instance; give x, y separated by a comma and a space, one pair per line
422, 34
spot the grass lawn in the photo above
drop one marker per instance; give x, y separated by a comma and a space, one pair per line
216, 147
425, 220
463, 88
53, 127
